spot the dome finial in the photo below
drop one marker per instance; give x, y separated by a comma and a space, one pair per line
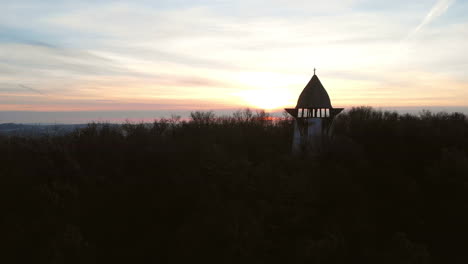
314, 71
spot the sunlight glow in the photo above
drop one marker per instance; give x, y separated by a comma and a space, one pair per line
207, 55
268, 90
267, 99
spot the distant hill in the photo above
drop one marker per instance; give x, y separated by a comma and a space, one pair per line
13, 129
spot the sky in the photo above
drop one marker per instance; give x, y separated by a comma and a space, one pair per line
141, 55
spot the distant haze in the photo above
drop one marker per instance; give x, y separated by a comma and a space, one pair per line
82, 117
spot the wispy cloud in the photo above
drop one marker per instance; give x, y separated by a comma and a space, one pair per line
31, 89
21, 89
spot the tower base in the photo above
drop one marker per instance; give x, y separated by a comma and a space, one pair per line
309, 134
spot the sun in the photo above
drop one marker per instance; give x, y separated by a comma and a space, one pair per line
269, 91
266, 99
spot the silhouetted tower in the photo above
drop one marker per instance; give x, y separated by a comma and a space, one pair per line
313, 116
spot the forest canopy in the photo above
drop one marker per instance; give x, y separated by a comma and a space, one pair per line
388, 188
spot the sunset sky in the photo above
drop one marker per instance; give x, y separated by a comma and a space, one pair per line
185, 54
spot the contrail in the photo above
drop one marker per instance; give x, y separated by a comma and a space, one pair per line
437, 10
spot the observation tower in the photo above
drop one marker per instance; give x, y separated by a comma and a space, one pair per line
313, 116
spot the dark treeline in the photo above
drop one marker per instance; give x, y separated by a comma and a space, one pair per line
388, 188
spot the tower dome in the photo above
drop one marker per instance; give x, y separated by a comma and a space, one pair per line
314, 95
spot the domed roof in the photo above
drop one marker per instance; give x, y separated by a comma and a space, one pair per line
314, 95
